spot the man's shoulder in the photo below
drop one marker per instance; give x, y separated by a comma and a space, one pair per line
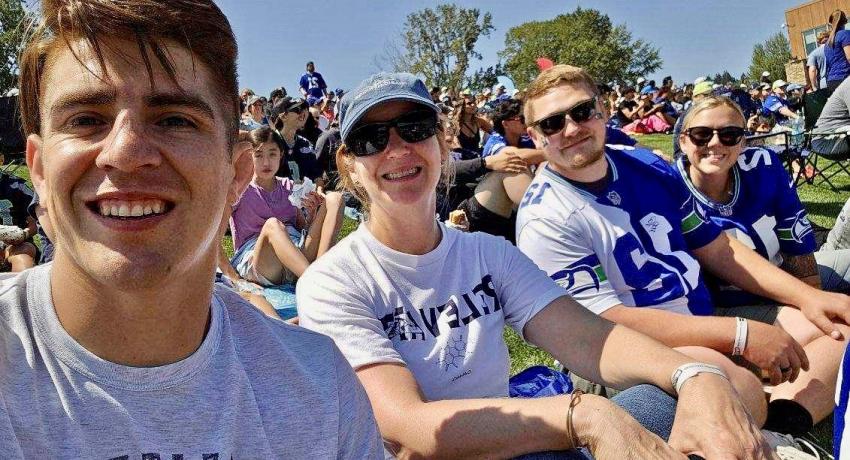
255, 333
627, 158
550, 196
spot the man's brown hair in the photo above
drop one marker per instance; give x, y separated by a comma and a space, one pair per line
552, 77
197, 25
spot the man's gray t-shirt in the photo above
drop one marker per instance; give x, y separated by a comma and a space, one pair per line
255, 388
817, 59
836, 112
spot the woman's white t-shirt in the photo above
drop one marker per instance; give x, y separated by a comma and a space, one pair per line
441, 314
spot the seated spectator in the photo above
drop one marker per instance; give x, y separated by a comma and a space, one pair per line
468, 168
17, 228
650, 118
419, 310
123, 347
626, 109
299, 159
274, 241
470, 123
491, 208
508, 130
254, 116
746, 192
776, 104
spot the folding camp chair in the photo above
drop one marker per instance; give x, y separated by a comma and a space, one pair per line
832, 146
787, 147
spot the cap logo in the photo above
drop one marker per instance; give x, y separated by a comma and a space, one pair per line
376, 85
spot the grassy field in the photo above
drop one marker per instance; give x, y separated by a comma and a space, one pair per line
822, 204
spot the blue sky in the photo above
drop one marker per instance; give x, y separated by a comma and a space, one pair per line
276, 38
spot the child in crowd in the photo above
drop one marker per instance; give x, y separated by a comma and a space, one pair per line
274, 240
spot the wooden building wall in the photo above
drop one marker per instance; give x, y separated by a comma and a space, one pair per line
807, 16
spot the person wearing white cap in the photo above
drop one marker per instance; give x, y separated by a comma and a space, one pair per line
777, 105
765, 77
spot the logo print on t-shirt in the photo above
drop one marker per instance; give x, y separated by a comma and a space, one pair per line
453, 353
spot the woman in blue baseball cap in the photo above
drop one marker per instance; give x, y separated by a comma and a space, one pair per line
419, 309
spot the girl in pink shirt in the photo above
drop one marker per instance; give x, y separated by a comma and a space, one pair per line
274, 241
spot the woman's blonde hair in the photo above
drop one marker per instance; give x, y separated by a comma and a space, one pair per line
345, 165
708, 103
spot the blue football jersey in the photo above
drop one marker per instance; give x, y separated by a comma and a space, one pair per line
627, 244
840, 440
764, 213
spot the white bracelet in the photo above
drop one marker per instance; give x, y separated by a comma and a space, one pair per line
686, 371
740, 337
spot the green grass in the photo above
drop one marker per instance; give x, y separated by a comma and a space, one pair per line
822, 204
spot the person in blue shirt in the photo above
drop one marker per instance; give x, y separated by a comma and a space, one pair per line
816, 64
748, 194
837, 51
508, 129
777, 105
312, 85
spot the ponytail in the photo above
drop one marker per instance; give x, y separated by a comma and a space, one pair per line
837, 19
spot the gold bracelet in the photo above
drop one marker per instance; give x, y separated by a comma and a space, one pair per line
571, 431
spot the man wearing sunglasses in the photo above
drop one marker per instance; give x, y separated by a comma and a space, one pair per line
608, 223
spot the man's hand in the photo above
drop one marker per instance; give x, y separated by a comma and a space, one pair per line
504, 161
712, 422
774, 351
825, 308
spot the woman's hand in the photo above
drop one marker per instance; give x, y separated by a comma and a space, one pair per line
712, 422
311, 203
609, 432
775, 352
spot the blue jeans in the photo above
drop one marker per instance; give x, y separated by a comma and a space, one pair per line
651, 407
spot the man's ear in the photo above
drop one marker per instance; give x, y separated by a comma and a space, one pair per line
540, 141
243, 171
34, 159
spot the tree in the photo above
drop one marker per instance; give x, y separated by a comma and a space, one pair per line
484, 78
585, 38
12, 26
438, 44
772, 55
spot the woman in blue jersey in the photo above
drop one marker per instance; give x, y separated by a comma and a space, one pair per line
747, 192
419, 310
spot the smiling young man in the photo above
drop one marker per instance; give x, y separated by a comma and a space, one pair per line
122, 348
615, 227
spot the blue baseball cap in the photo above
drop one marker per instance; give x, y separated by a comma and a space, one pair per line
377, 89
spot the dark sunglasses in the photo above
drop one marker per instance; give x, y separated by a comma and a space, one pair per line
372, 138
579, 113
728, 135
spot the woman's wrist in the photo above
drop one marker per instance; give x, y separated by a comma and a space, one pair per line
587, 417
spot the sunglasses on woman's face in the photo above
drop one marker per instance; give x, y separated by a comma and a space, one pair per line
371, 138
578, 113
728, 135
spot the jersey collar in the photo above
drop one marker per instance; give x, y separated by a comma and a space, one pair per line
723, 208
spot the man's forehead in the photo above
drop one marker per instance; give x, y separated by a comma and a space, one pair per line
562, 97
121, 73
